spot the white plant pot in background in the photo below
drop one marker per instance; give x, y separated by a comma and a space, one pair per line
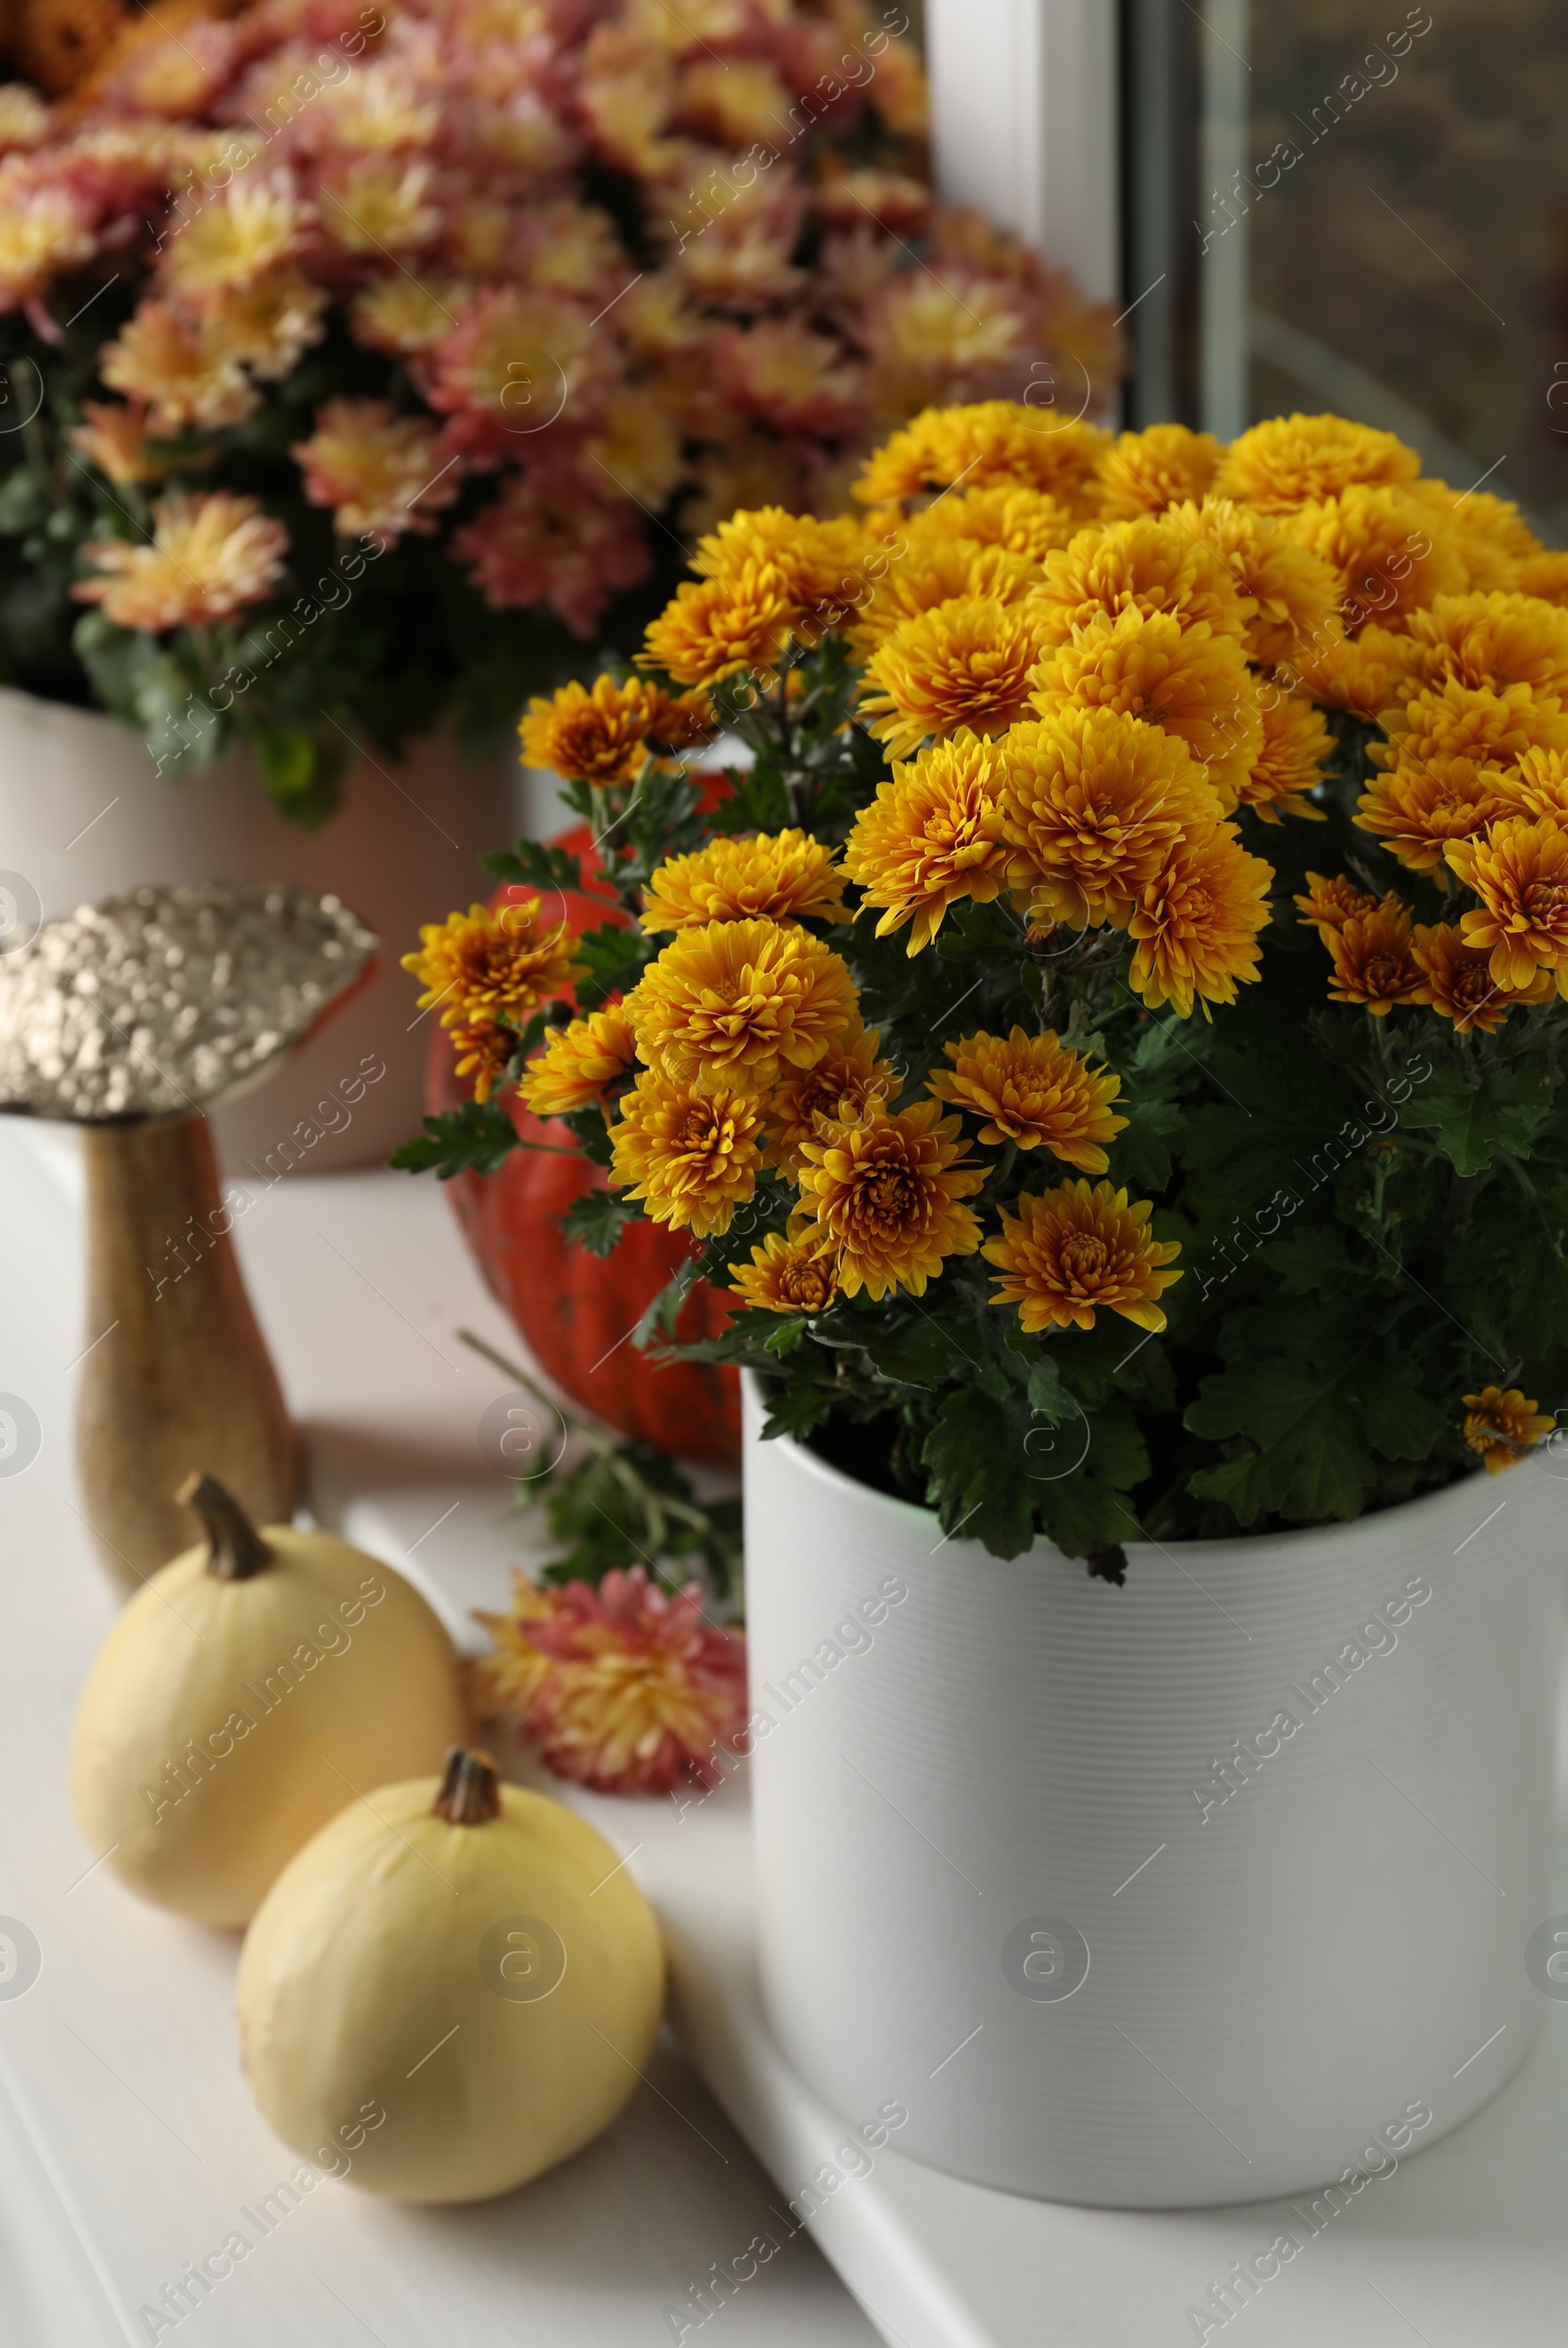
84, 814
1015, 1870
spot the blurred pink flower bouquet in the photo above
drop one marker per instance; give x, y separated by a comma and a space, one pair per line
365, 353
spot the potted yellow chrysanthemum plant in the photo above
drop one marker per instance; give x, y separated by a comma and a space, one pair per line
1107, 1043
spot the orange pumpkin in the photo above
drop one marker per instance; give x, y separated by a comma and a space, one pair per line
576, 1310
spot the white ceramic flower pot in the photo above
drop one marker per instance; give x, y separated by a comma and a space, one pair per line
84, 814
1209, 1888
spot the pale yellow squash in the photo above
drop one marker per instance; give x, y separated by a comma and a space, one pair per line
247, 1692
449, 1989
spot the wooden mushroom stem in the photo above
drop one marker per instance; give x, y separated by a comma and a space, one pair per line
234, 1548
470, 1790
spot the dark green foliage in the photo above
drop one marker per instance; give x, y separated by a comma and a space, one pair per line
474, 1139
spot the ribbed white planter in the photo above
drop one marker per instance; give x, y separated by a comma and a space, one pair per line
83, 815
1204, 1890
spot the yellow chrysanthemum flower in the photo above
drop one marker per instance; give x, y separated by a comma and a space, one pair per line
1494, 640
1504, 1426
184, 375
886, 1194
778, 877
1096, 802
1520, 873
939, 573
1186, 680
1374, 959
1389, 552
1296, 461
1152, 565
1079, 1250
1416, 810
600, 733
404, 315
788, 1275
823, 563
43, 231
1330, 903
1023, 521
713, 628
1296, 742
580, 1064
732, 1004
380, 205
1295, 592
1543, 576
210, 557
491, 971
1197, 924
996, 440
1364, 675
690, 1155
1458, 985
1033, 1090
838, 1086
933, 834
252, 226
1538, 785
1470, 721
267, 323
1490, 533
966, 664
1166, 465
380, 473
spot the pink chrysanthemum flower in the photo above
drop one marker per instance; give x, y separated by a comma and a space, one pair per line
623, 1689
208, 558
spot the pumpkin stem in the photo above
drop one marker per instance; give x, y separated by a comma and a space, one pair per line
470, 1790
234, 1548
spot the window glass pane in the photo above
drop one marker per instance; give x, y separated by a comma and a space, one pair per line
1407, 227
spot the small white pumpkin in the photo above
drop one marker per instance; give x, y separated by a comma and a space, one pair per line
249, 1691
464, 1959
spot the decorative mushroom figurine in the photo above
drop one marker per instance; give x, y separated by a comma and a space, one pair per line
131, 1018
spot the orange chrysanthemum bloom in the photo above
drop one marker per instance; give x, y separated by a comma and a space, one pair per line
996, 440
1032, 1090
44, 230
403, 316
1538, 785
823, 564
1186, 680
1296, 742
937, 572
1491, 534
1374, 960
1543, 575
838, 1086
886, 1192
795, 1276
1520, 873
1196, 923
692, 1156
381, 474
593, 734
1149, 566
1147, 471
778, 877
1095, 803
713, 628
1366, 676
1295, 593
269, 324
1459, 985
966, 664
1494, 640
1417, 810
1387, 552
933, 834
115, 439
1470, 721
1330, 903
185, 374
1294, 460
1022, 522
211, 557
1504, 1426
491, 971
626, 1688
579, 1064
1080, 1250
729, 1006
